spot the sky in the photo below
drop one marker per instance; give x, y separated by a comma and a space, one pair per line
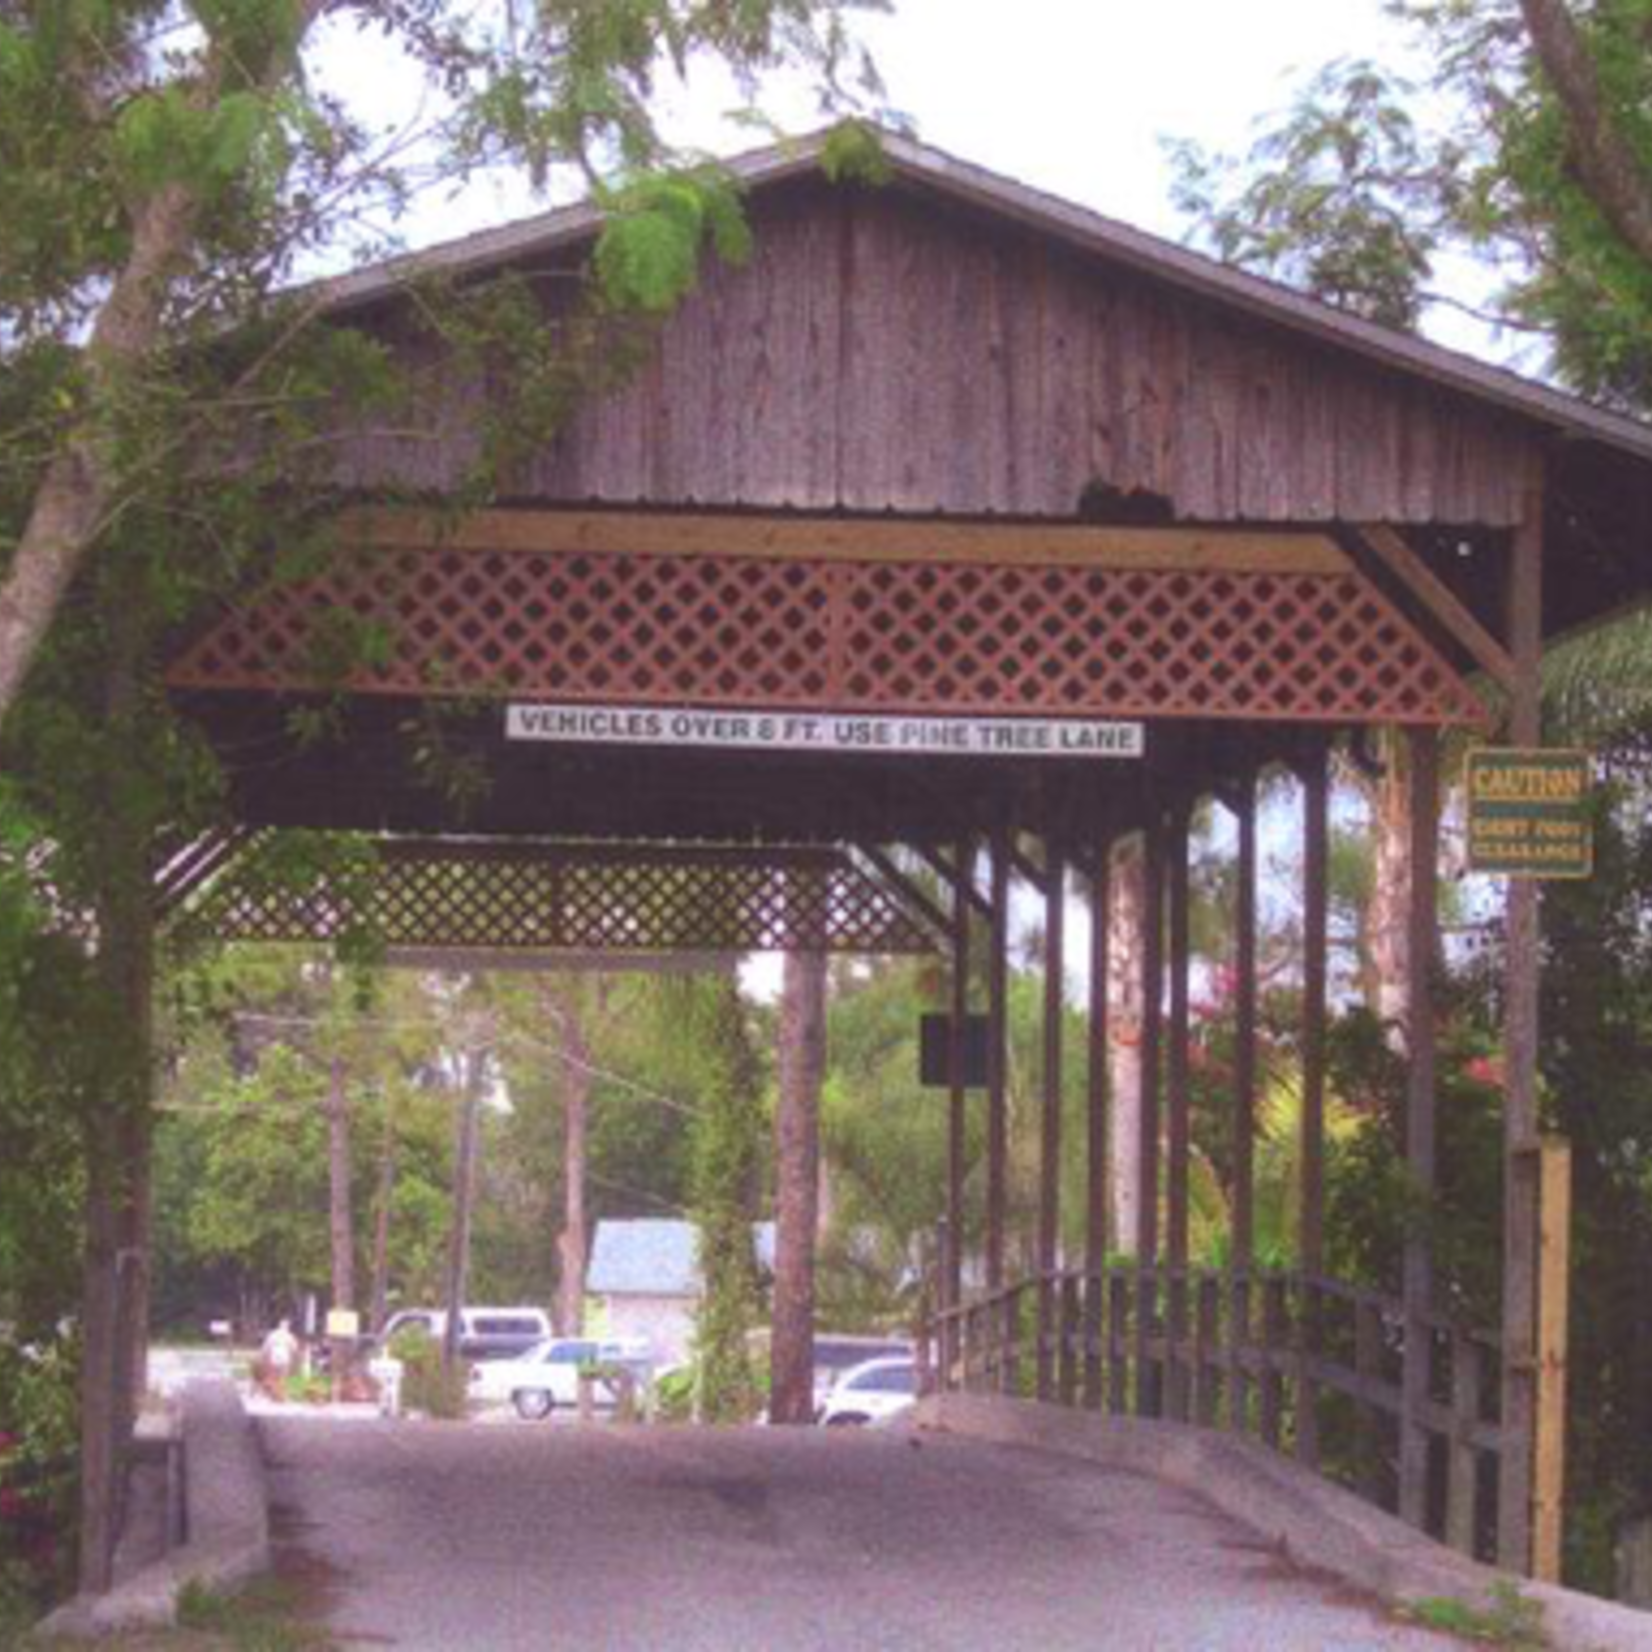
1070, 96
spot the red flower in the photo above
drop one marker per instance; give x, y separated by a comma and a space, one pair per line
1487, 1070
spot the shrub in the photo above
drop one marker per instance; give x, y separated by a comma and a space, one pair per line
38, 1472
427, 1385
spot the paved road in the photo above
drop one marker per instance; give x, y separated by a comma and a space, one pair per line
462, 1539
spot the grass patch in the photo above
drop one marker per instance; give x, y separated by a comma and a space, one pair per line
1507, 1619
263, 1617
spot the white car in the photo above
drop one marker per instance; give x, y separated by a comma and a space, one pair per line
547, 1376
871, 1393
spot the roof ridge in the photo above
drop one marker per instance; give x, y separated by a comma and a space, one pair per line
1081, 227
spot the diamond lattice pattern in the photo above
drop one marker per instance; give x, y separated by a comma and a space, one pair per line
926, 637
646, 898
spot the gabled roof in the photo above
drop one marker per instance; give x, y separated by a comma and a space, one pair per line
651, 1256
928, 169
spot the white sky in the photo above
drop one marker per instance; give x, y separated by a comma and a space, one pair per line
1070, 96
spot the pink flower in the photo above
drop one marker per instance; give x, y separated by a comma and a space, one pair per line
1487, 1070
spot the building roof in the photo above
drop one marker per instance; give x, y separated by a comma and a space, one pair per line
931, 170
650, 1256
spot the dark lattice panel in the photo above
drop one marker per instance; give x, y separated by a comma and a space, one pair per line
577, 897
912, 637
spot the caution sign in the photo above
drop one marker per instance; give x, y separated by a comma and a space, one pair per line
1528, 812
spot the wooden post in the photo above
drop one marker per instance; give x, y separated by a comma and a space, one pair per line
1315, 955
1095, 1204
1520, 1033
1096, 1166
956, 1115
1049, 1157
1423, 748
1553, 1299
1244, 1107
1179, 1107
998, 1060
1148, 1392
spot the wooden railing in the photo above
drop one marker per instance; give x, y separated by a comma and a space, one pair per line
1309, 1366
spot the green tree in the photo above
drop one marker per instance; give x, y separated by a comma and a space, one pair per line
1527, 149
729, 1135
169, 163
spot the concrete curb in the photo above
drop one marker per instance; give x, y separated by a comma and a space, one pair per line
226, 1503
1317, 1524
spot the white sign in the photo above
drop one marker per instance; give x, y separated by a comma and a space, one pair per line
825, 732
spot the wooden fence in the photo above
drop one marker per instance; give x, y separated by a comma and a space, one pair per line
1310, 1366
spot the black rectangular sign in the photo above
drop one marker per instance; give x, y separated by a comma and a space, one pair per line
935, 1051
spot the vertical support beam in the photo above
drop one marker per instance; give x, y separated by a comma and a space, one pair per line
1553, 1297
998, 1060
1316, 830
1520, 1031
1179, 1108
1096, 1166
1049, 1157
1244, 1107
1148, 1388
956, 1116
1423, 748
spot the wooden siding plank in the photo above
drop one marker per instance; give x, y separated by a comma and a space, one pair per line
882, 353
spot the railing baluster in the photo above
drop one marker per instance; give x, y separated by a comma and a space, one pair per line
1308, 1343
1368, 1367
1239, 1339
1207, 1367
1462, 1460
1095, 1298
1119, 1286
1067, 1351
1275, 1335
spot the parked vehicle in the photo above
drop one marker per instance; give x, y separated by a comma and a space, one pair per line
836, 1355
484, 1333
547, 1376
872, 1393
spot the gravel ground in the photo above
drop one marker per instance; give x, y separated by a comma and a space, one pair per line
455, 1538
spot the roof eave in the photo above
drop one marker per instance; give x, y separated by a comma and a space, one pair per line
1078, 227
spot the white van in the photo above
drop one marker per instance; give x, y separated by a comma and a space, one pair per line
484, 1333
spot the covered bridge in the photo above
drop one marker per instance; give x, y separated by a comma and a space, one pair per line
957, 518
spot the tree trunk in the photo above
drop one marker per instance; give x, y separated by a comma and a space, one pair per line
100, 1451
1603, 153
464, 1193
797, 1186
341, 1219
380, 1305
573, 1242
1128, 894
1386, 966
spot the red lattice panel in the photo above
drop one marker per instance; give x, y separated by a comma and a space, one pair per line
588, 898
924, 637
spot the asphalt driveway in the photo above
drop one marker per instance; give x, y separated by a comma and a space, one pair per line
458, 1538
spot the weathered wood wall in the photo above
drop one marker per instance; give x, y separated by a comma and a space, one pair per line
882, 351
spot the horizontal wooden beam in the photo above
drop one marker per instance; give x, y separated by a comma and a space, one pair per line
492, 961
846, 539
1391, 549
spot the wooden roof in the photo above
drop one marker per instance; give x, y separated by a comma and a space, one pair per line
945, 177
